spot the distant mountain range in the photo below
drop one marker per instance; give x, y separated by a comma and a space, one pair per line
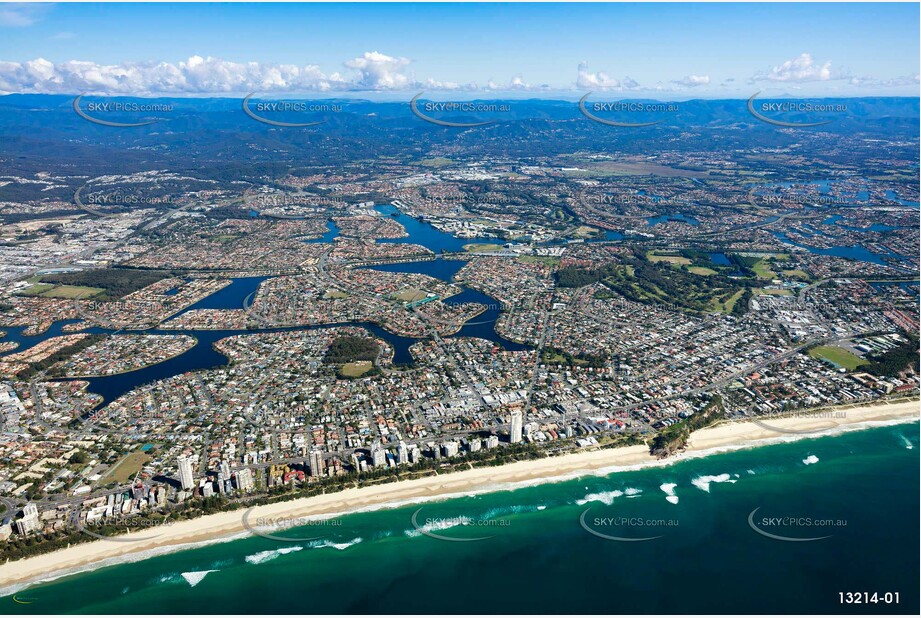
41, 132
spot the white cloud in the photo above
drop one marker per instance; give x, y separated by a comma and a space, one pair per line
800, 69
197, 75
892, 82
692, 81
434, 84
587, 80
377, 71
21, 14
518, 83
372, 71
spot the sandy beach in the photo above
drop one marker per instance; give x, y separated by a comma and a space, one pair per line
725, 436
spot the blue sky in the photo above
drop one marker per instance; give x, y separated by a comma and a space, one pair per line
669, 51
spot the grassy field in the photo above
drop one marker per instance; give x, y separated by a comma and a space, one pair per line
726, 307
356, 369
701, 270
762, 268
612, 168
124, 470
37, 289
774, 292
483, 247
584, 231
330, 294
72, 291
409, 295
838, 356
51, 290
436, 162
797, 274
652, 256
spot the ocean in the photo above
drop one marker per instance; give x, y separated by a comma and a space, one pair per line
782, 528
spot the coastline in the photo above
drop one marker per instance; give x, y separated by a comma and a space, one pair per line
726, 436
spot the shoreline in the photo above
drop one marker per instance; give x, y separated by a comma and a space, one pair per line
220, 527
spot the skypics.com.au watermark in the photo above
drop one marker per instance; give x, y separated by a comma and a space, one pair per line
118, 113
94, 202
260, 526
91, 202
626, 200
290, 206
771, 420
120, 525
619, 199
469, 107
626, 529
434, 527
773, 112
283, 113
787, 199
592, 111
108, 199
634, 107
774, 199
119, 314
461, 200
425, 110
794, 527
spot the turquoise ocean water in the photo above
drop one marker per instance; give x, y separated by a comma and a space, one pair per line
571, 546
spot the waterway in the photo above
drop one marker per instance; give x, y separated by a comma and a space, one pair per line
855, 252
678, 217
483, 325
203, 355
425, 234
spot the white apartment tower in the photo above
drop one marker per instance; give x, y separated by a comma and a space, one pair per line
517, 423
245, 479
186, 475
316, 462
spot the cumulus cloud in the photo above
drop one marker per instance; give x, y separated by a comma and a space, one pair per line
21, 14
372, 71
586, 80
434, 84
691, 81
194, 76
800, 69
377, 71
905, 80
